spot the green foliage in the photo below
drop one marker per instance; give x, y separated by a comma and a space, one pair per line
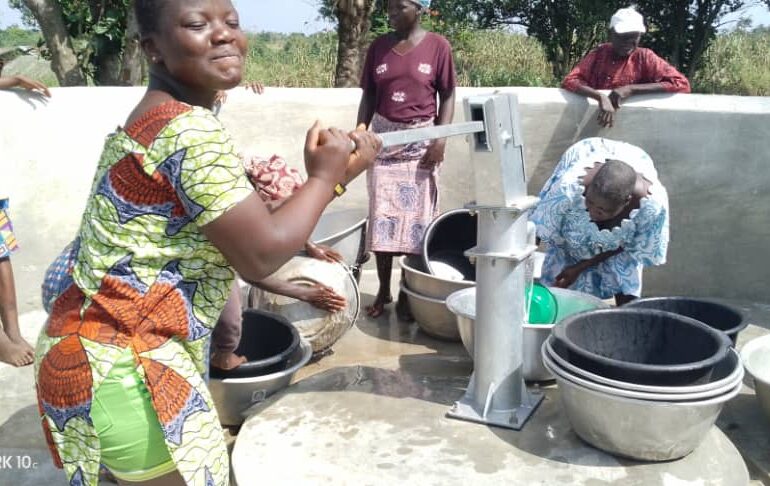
495, 58
296, 60
16, 36
736, 64
95, 27
490, 58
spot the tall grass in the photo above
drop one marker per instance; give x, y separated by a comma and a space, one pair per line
736, 64
483, 58
295, 61
494, 58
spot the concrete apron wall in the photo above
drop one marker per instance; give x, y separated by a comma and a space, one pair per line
711, 153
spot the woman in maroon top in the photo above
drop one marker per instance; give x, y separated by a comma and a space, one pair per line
403, 73
623, 67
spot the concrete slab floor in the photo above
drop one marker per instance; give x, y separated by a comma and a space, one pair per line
365, 425
383, 343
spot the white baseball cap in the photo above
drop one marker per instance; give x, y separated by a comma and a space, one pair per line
627, 20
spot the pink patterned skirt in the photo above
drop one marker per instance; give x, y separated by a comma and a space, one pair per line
403, 194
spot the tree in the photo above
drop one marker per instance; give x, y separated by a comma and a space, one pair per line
88, 40
49, 17
353, 24
679, 30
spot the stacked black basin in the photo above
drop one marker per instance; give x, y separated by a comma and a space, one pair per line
720, 316
267, 341
642, 346
642, 383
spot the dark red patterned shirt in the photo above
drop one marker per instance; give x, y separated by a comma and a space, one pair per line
602, 69
406, 84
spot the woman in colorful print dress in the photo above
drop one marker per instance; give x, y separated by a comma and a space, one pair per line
403, 73
603, 216
171, 216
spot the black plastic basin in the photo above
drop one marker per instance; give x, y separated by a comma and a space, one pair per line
714, 314
268, 340
642, 346
448, 237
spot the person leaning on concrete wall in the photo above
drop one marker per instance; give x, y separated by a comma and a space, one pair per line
623, 67
403, 73
22, 82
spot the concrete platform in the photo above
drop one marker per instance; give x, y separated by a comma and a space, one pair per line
397, 349
401, 380
364, 425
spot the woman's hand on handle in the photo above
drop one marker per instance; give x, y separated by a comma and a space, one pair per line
326, 154
368, 145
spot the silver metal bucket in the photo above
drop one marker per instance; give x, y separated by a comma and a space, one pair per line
344, 231
233, 396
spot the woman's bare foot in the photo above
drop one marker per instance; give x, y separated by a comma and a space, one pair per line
378, 307
15, 354
16, 338
226, 360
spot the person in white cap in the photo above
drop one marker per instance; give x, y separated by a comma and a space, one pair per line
623, 67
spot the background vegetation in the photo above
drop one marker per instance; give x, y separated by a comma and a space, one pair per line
736, 63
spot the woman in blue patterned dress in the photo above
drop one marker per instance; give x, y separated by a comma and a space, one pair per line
602, 216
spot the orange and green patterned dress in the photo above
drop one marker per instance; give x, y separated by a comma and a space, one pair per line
146, 279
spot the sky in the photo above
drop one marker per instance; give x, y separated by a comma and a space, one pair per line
256, 15
299, 15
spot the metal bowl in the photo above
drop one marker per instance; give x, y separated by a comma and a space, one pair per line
233, 396
320, 327
426, 284
344, 231
756, 358
727, 372
432, 315
463, 305
639, 429
650, 396
451, 233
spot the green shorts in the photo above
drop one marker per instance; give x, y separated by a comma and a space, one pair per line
132, 442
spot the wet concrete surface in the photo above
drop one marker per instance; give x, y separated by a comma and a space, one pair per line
373, 412
369, 425
391, 352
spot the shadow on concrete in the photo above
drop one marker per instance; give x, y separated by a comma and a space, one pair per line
32, 98
23, 450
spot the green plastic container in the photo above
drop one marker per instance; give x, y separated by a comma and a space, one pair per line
548, 306
543, 306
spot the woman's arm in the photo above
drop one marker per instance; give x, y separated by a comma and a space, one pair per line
257, 242
366, 107
317, 295
446, 112
26, 83
570, 274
